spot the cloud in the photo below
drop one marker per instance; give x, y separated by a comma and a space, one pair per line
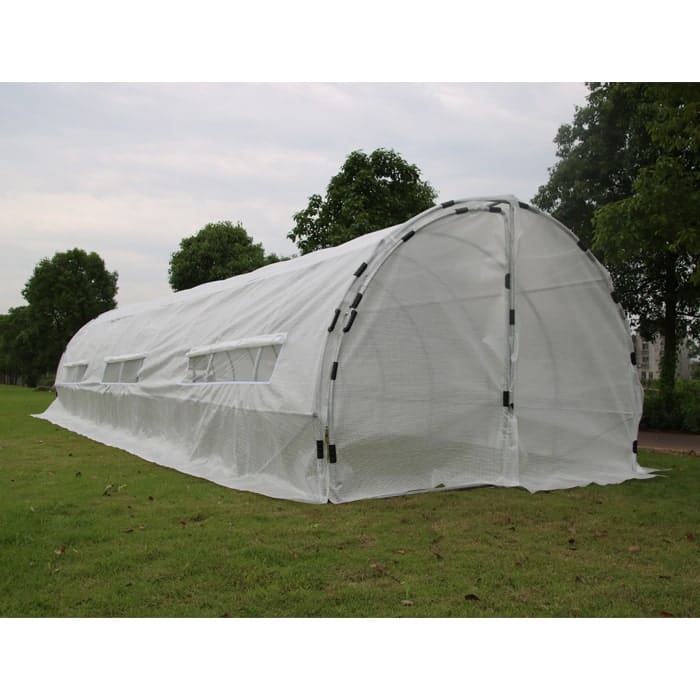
129, 170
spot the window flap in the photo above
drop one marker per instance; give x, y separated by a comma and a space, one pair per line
125, 358
255, 342
76, 363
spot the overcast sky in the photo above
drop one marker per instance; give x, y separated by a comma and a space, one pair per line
129, 170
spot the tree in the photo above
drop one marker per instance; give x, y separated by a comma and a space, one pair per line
64, 293
218, 251
627, 183
271, 258
599, 155
369, 193
19, 339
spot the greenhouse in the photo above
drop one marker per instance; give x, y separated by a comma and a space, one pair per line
476, 344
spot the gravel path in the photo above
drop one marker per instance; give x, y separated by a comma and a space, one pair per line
669, 442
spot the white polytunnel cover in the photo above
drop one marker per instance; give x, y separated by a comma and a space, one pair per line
476, 344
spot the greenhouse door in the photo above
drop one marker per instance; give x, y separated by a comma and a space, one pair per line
418, 401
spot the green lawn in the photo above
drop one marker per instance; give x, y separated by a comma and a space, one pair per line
86, 530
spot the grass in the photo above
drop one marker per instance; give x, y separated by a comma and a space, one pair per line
87, 530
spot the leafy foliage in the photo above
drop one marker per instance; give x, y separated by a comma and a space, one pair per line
63, 293
19, 339
218, 251
682, 413
599, 155
369, 193
628, 181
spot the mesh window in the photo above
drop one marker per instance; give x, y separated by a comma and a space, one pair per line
75, 373
234, 365
266, 362
130, 370
123, 371
249, 364
198, 368
111, 373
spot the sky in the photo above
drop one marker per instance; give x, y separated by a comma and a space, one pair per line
128, 170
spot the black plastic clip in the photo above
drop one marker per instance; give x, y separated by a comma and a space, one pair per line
633, 357
462, 210
522, 205
634, 447
512, 317
334, 371
507, 280
449, 203
351, 320
356, 301
336, 315
407, 236
319, 449
495, 210
506, 399
332, 457
360, 269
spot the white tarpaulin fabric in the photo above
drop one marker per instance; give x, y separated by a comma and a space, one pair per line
475, 344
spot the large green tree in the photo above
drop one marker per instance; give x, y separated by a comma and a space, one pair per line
369, 193
218, 251
598, 156
627, 182
19, 339
64, 293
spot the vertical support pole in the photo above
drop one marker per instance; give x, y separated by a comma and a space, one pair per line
510, 294
510, 424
